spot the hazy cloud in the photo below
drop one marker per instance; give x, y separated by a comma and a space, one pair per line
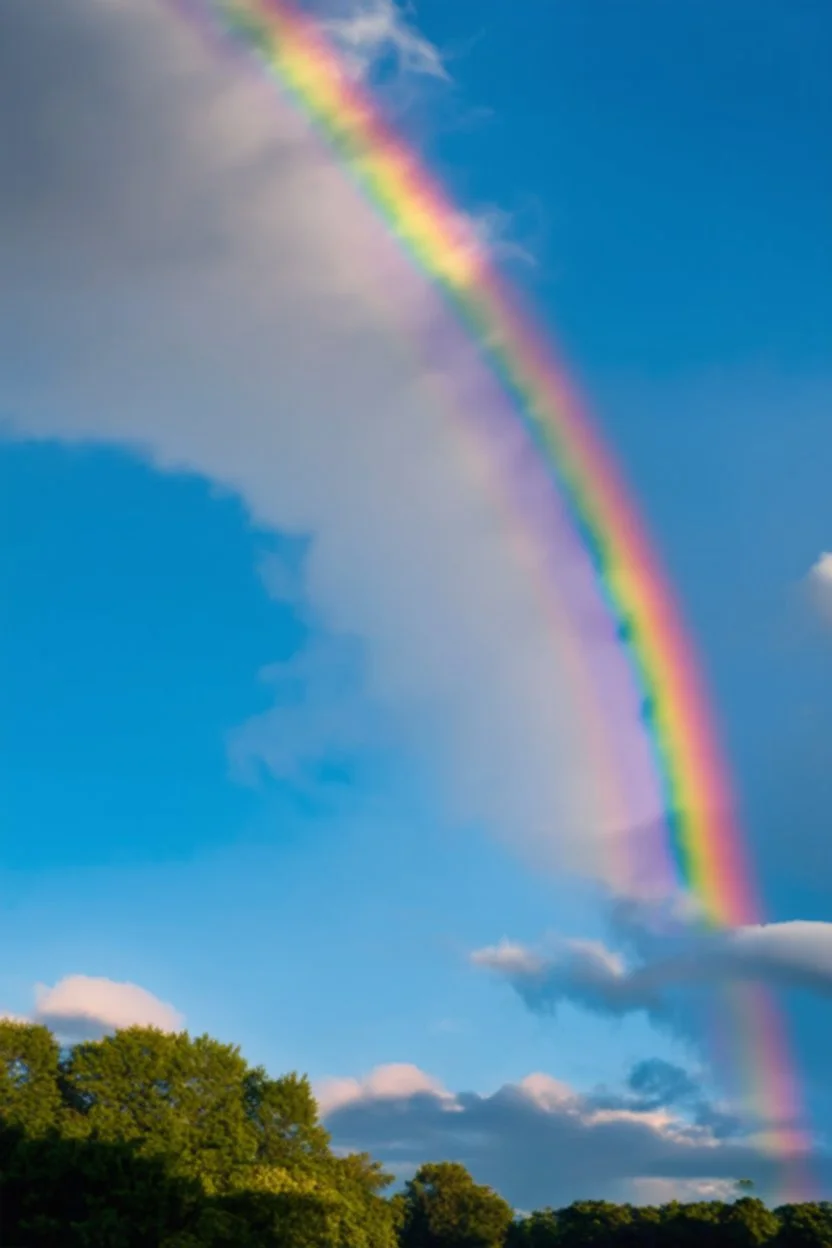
819, 583
192, 277
321, 719
688, 1191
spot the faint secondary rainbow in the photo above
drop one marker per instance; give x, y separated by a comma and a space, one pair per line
703, 836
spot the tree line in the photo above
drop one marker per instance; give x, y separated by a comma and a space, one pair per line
151, 1140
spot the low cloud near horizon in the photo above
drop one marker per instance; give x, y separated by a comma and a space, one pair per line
83, 1007
539, 1142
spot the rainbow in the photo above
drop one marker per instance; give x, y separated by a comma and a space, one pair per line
702, 835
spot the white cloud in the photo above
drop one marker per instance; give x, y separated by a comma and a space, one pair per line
549, 1093
539, 1142
819, 582
81, 1007
192, 277
510, 959
396, 1081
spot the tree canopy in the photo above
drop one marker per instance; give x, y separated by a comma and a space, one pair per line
151, 1140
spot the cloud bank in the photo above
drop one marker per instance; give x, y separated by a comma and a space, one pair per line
193, 279
538, 1141
82, 1007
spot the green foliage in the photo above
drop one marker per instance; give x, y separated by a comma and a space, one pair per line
445, 1208
593, 1222
712, 1224
748, 1223
29, 1092
176, 1097
540, 1229
59, 1191
283, 1120
149, 1140
805, 1226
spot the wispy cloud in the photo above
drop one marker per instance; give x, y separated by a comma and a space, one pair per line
374, 29
321, 721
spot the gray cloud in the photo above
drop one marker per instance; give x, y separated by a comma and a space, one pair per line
790, 955
538, 1142
584, 972
191, 277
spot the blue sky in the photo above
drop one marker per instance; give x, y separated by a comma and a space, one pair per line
128, 670
304, 861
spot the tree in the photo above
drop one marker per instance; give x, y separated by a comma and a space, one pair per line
594, 1222
88, 1194
805, 1226
283, 1117
175, 1096
748, 1223
445, 1208
541, 1229
685, 1226
149, 1138
29, 1090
